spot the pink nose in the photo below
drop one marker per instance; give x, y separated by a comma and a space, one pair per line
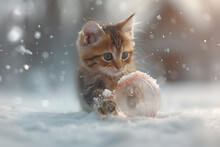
118, 67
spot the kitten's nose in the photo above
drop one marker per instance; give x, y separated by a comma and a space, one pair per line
118, 67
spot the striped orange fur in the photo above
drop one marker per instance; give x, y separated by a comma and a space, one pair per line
105, 55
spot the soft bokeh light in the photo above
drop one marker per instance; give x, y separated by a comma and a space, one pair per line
15, 34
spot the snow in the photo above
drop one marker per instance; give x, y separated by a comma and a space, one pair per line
21, 49
8, 67
188, 116
45, 55
15, 34
159, 17
107, 93
126, 77
37, 35
26, 67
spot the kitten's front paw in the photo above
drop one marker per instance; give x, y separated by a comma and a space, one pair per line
105, 103
107, 106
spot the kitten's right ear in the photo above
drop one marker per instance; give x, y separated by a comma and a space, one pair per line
91, 32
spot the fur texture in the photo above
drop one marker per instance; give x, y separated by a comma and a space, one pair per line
105, 55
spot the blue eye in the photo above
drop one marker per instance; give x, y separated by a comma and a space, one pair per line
124, 55
107, 56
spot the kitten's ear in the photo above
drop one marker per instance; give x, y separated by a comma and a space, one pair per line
127, 26
91, 32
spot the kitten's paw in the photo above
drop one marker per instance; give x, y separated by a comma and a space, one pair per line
105, 102
107, 106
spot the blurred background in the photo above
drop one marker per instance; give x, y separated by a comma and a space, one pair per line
177, 42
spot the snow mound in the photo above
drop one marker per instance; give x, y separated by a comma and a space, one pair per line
195, 128
184, 120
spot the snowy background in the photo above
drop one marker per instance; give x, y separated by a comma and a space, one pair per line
177, 43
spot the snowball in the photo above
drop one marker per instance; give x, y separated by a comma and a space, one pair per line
51, 36
37, 35
21, 49
126, 77
137, 94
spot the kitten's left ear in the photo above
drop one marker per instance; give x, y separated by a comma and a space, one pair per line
127, 26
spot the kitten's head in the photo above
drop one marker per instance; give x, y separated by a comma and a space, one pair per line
107, 48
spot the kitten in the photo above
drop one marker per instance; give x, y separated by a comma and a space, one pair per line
105, 55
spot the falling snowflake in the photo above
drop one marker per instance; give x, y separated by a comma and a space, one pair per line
37, 35
66, 53
26, 67
8, 67
183, 65
21, 70
21, 49
15, 34
159, 17
45, 55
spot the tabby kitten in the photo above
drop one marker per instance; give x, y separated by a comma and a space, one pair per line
105, 55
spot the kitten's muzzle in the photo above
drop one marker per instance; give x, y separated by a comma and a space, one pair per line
118, 68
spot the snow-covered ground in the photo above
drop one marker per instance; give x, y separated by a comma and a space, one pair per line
189, 116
